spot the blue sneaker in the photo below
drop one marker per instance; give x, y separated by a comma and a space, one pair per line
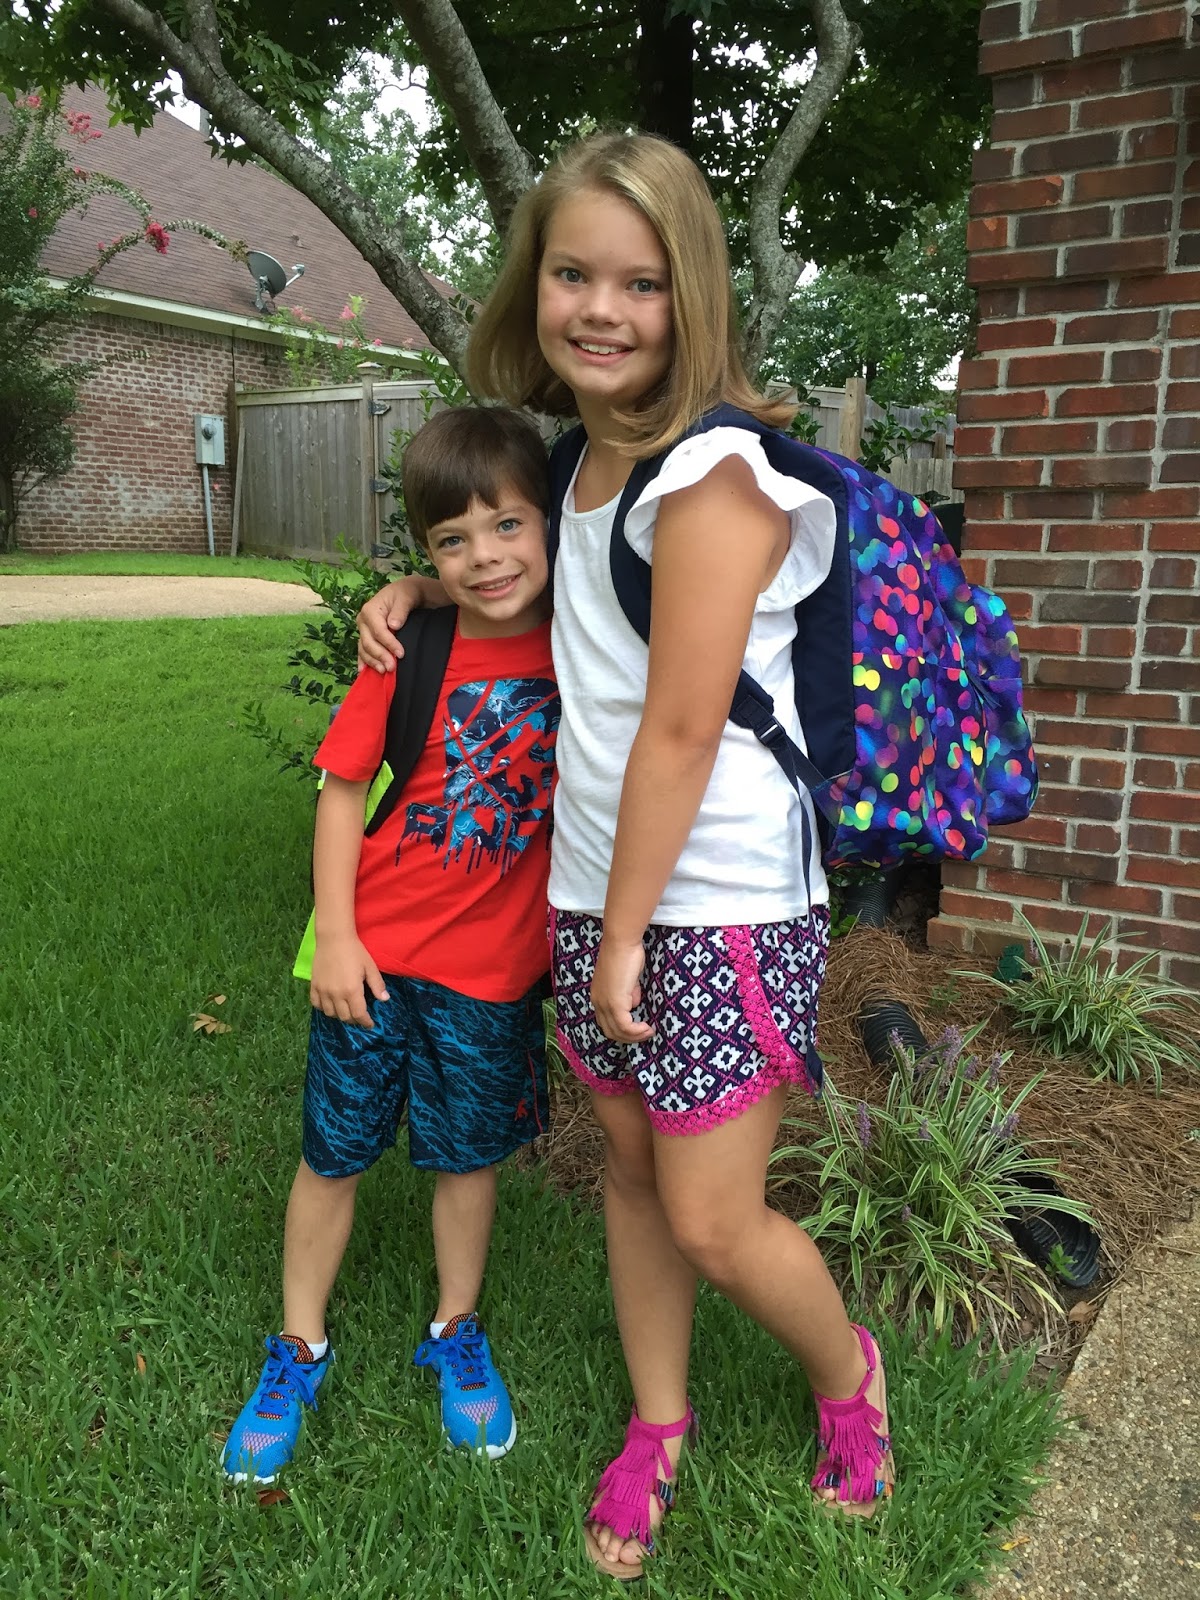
476, 1411
263, 1438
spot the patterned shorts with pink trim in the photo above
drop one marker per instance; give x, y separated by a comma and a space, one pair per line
734, 1012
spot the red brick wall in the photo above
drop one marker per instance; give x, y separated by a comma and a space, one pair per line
1080, 458
135, 484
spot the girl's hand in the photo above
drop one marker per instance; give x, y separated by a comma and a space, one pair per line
341, 969
617, 989
388, 610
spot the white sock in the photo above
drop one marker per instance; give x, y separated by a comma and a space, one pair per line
436, 1328
318, 1350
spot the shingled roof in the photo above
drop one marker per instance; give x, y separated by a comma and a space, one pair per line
171, 165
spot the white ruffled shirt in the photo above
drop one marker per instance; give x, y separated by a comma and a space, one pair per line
743, 861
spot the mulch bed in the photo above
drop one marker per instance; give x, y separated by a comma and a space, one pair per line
1132, 1156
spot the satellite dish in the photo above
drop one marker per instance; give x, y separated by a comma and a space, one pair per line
270, 277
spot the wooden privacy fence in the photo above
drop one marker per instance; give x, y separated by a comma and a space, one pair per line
842, 416
309, 464
309, 461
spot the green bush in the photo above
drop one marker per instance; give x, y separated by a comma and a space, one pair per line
328, 652
1122, 1025
914, 1193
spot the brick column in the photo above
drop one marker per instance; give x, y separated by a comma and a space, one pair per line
1079, 452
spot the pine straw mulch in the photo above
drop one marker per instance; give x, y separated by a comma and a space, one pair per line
1123, 1150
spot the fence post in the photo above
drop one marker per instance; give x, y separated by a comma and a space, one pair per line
368, 371
850, 420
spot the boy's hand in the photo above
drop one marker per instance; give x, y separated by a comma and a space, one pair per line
617, 989
341, 971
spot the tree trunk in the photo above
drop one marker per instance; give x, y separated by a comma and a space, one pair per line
8, 514
665, 73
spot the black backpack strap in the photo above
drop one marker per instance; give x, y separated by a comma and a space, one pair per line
752, 706
427, 637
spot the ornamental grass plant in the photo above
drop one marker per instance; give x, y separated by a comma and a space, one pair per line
915, 1192
1123, 1025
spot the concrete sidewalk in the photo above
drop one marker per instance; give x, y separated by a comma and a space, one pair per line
1119, 1517
69, 598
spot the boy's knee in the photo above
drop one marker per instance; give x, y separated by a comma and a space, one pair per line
308, 1178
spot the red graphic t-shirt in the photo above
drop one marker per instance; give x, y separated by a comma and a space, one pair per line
452, 887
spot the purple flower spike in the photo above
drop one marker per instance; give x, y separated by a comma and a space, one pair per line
1008, 1127
923, 1132
863, 1118
906, 1214
993, 1077
970, 1068
950, 1045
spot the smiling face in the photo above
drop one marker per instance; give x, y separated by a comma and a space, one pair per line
604, 316
493, 566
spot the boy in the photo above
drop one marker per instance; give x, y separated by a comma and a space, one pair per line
430, 946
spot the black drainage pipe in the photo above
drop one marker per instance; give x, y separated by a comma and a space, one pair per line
1035, 1233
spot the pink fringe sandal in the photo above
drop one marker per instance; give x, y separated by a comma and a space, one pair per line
622, 1498
857, 1459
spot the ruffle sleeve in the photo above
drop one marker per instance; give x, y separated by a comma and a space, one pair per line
812, 514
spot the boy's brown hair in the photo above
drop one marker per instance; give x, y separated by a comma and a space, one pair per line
471, 453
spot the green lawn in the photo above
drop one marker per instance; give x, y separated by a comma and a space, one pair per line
154, 858
133, 563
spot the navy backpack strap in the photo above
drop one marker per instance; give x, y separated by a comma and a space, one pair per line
428, 638
752, 707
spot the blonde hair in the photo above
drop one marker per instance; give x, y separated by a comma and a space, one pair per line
504, 360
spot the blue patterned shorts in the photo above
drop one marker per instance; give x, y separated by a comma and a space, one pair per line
472, 1074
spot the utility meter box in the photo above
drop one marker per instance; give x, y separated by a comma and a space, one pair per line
210, 441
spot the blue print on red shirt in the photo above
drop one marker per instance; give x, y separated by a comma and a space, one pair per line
499, 738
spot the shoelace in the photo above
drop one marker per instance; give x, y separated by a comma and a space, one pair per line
284, 1377
462, 1350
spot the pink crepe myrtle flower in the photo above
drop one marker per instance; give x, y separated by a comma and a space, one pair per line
158, 237
33, 212
347, 314
377, 343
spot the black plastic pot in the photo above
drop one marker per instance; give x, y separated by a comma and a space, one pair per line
1035, 1233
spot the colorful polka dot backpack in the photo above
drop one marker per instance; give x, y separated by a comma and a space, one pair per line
908, 677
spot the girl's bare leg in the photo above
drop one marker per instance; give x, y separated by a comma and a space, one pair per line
654, 1288
712, 1187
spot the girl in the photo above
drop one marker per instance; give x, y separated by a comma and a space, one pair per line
687, 951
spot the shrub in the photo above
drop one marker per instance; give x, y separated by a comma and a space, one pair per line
1122, 1024
914, 1193
329, 649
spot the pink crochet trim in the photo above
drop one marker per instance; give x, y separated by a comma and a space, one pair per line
700, 1119
756, 1008
846, 1432
622, 1498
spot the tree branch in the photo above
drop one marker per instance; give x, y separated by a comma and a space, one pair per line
776, 271
199, 63
503, 168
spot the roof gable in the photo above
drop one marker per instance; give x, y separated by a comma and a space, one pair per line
171, 165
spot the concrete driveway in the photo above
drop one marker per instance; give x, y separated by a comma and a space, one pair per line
69, 598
